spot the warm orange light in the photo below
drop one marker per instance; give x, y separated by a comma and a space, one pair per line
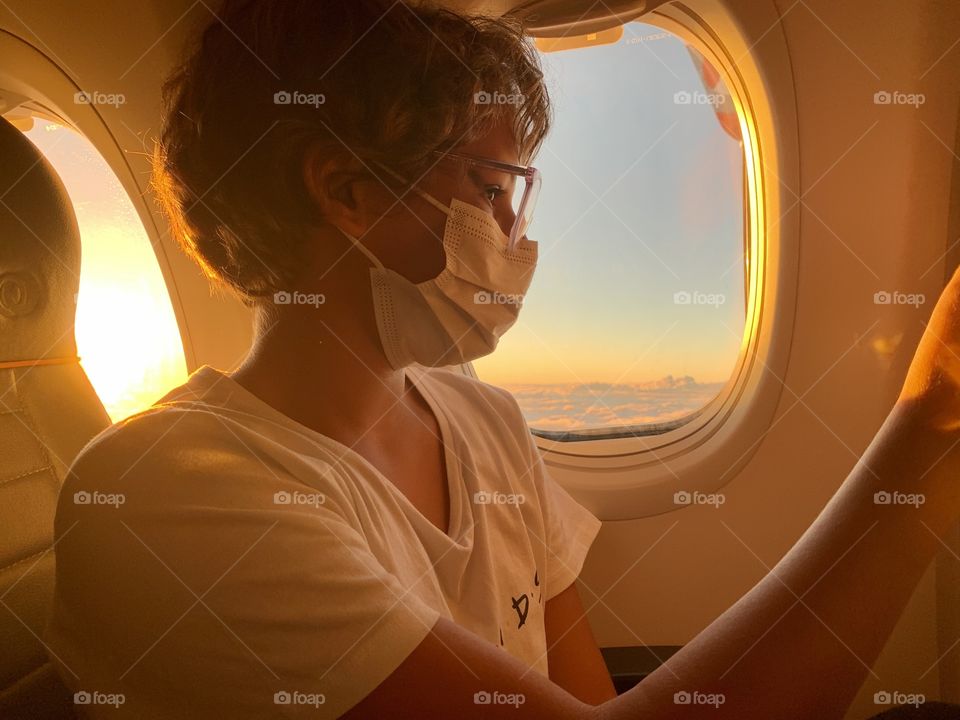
127, 335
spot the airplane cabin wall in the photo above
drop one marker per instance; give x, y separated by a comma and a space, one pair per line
876, 186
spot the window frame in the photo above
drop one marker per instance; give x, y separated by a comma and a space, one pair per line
636, 475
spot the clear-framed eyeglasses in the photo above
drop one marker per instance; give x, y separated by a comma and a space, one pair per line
524, 197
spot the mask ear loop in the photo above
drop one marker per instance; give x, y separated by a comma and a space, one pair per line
422, 193
364, 249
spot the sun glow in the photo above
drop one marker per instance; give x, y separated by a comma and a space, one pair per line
127, 335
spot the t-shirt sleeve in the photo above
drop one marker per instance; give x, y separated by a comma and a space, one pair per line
205, 594
570, 531
569, 528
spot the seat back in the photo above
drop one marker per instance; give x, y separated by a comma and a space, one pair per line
48, 412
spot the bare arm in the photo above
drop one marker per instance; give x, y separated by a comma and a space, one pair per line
801, 642
574, 659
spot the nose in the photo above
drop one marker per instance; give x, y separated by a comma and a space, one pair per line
505, 218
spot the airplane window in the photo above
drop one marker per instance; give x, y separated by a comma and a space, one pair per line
636, 315
127, 335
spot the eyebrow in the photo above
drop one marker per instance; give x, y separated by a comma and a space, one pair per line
474, 173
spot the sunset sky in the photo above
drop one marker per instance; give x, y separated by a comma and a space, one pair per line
601, 305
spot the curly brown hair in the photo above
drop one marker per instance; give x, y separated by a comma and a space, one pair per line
267, 81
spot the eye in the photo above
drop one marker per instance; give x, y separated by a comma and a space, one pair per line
492, 192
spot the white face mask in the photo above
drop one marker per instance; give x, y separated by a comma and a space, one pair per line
461, 314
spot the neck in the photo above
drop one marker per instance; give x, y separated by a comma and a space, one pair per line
326, 370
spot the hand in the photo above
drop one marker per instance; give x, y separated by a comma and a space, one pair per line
931, 391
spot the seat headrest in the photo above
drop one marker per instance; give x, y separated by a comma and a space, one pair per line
39, 254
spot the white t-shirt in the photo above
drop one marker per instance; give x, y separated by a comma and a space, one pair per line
218, 559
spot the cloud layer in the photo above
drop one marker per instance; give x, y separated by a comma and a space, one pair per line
576, 406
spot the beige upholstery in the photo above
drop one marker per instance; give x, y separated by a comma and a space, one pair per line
47, 414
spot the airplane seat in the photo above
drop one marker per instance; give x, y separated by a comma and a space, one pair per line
48, 412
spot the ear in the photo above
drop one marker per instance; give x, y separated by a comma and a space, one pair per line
332, 182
